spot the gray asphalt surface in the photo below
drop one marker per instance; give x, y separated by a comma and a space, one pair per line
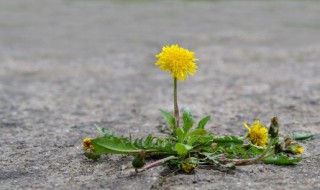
67, 64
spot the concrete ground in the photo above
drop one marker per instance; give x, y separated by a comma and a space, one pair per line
67, 64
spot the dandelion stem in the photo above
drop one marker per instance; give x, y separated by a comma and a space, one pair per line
175, 99
156, 163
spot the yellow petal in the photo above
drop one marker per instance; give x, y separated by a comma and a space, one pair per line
246, 125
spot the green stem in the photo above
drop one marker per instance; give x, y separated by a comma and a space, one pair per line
175, 99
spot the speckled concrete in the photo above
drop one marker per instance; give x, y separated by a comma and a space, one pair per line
67, 64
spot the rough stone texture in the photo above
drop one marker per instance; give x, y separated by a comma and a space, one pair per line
67, 64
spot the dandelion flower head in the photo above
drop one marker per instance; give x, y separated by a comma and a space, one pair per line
178, 61
299, 150
87, 144
258, 133
295, 148
187, 167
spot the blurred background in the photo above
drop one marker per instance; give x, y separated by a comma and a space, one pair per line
66, 64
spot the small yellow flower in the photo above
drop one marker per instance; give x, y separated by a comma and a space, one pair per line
87, 144
187, 167
299, 150
178, 61
295, 148
258, 133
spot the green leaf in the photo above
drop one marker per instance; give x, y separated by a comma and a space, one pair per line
180, 135
138, 143
227, 140
187, 120
182, 149
236, 149
211, 157
281, 160
202, 142
169, 118
148, 141
241, 151
103, 131
192, 160
114, 145
92, 156
193, 140
145, 144
203, 122
197, 132
301, 136
230, 166
255, 151
164, 145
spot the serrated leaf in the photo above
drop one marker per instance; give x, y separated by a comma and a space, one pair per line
202, 142
148, 141
164, 145
103, 131
255, 151
187, 120
236, 150
114, 145
301, 136
211, 157
202, 123
138, 143
182, 149
145, 144
227, 140
169, 118
281, 160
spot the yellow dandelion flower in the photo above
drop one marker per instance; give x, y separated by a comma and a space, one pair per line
258, 133
178, 61
187, 167
295, 148
299, 150
87, 144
